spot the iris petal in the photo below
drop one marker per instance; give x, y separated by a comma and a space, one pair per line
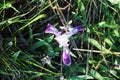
79, 28
52, 29
76, 29
66, 56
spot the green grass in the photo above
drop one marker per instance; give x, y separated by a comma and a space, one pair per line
26, 52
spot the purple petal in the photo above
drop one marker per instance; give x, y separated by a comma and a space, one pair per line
79, 28
52, 29
66, 56
76, 29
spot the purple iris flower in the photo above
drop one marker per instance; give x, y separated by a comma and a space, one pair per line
63, 39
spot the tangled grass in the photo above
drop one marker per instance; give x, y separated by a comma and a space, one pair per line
26, 52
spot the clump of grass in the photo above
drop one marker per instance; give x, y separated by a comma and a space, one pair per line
26, 52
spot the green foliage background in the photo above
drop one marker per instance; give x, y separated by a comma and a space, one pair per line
26, 52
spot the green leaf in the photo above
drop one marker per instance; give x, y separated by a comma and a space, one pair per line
104, 24
96, 44
116, 33
73, 55
114, 1
7, 5
1, 41
42, 43
36, 45
74, 68
5, 73
108, 78
114, 73
30, 22
49, 39
48, 49
108, 41
10, 44
11, 21
82, 9
15, 56
95, 74
103, 68
30, 35
39, 66
36, 75
81, 77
